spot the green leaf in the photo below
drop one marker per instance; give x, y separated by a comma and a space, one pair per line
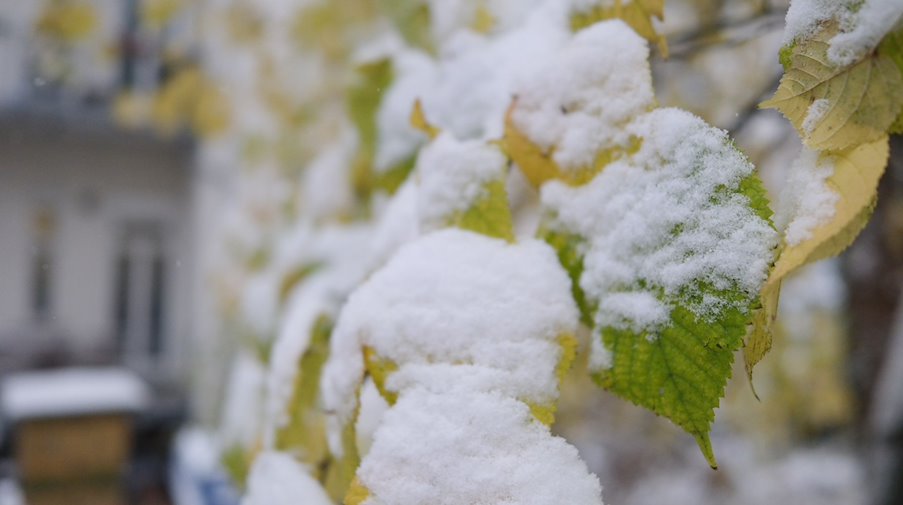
412, 20
489, 214
834, 108
305, 433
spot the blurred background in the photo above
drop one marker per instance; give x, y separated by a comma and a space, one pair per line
155, 155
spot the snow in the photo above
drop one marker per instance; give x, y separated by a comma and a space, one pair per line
471, 447
862, 25
325, 189
415, 74
243, 405
372, 409
461, 307
815, 113
453, 176
579, 104
663, 220
806, 201
72, 391
277, 479
872, 21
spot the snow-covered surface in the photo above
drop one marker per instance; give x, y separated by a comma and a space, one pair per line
457, 309
471, 447
806, 201
72, 391
453, 176
11, 493
277, 479
680, 179
862, 24
580, 103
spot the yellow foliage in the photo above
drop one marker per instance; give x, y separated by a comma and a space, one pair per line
67, 20
833, 107
638, 14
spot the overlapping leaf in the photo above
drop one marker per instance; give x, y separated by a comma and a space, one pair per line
838, 107
639, 14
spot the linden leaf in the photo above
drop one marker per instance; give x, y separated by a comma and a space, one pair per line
412, 20
305, 432
636, 13
855, 179
834, 107
489, 214
420, 122
380, 369
669, 292
340, 470
357, 493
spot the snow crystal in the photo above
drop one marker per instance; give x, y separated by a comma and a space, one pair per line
862, 24
277, 479
456, 298
806, 201
815, 113
663, 220
453, 176
580, 103
458, 448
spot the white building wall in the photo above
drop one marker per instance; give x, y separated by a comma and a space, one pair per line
96, 183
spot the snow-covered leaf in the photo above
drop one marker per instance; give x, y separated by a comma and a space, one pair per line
669, 247
639, 14
835, 107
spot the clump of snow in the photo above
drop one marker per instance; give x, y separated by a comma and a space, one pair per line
871, 22
72, 391
453, 176
805, 16
580, 103
478, 447
372, 408
806, 201
815, 113
277, 479
862, 24
457, 299
664, 220
600, 357
478, 75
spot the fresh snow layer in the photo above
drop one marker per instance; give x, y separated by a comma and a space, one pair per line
862, 24
453, 176
815, 113
664, 219
579, 104
462, 307
475, 448
73, 391
277, 479
415, 74
806, 200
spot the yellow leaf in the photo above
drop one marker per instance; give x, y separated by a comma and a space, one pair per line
357, 493
69, 20
420, 122
833, 107
380, 369
489, 215
536, 164
855, 179
638, 14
